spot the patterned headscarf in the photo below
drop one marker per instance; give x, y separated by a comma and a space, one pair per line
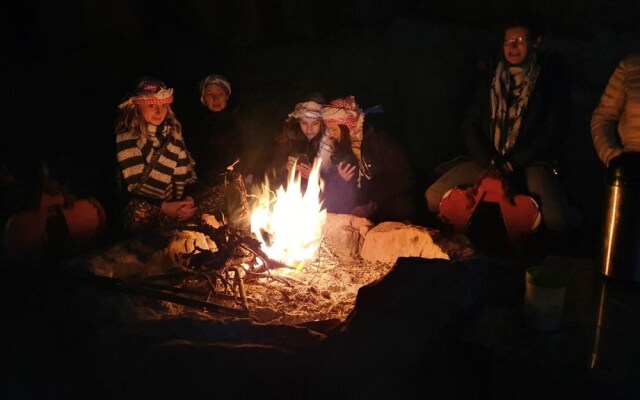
346, 112
308, 109
148, 91
343, 112
217, 80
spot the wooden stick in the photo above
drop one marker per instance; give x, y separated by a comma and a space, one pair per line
141, 289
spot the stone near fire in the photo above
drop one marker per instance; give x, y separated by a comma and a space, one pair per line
187, 243
345, 233
390, 240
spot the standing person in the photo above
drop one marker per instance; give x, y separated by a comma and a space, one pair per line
380, 176
615, 123
516, 124
299, 141
156, 167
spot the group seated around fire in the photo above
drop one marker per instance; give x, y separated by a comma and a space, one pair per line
364, 172
158, 172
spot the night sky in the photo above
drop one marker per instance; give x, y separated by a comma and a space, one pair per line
66, 67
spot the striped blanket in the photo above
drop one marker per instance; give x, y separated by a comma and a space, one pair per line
171, 165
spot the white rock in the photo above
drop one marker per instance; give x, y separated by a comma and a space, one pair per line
344, 233
185, 244
390, 240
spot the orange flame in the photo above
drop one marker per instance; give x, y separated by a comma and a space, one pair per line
293, 218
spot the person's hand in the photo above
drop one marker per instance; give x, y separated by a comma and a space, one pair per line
365, 210
291, 161
346, 171
616, 168
187, 209
507, 167
614, 159
304, 169
502, 165
180, 210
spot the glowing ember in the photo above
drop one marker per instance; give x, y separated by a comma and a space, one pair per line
289, 222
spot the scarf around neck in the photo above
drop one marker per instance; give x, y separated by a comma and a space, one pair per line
153, 170
511, 89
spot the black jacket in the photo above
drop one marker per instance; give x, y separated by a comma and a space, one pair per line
545, 120
215, 143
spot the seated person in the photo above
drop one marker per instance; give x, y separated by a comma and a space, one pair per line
516, 125
214, 137
298, 142
157, 170
217, 145
340, 191
382, 179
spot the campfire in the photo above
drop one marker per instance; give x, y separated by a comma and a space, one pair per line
297, 265
303, 279
289, 222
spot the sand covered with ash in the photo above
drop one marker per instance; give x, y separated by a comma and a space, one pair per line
322, 292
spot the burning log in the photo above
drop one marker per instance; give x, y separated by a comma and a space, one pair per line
217, 263
229, 245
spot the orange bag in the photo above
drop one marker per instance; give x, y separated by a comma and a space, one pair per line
28, 235
520, 213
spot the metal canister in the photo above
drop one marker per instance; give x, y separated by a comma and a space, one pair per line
621, 225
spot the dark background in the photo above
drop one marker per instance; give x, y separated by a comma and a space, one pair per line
66, 66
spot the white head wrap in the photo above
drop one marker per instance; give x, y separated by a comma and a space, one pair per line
307, 109
217, 80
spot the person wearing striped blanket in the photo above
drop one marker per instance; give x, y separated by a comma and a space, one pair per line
157, 170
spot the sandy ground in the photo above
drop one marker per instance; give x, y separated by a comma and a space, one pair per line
324, 289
